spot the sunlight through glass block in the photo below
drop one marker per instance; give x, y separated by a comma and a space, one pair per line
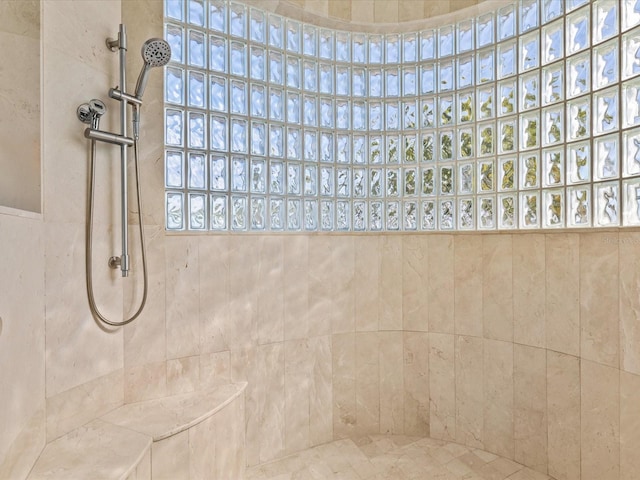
173, 128
257, 25
326, 44
196, 50
219, 173
294, 179
606, 197
258, 101
311, 215
175, 211
276, 178
606, 165
197, 213
579, 207
238, 213
326, 215
578, 163
218, 212
258, 213
276, 214
173, 174
239, 174
197, 171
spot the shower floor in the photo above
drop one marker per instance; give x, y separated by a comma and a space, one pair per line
393, 457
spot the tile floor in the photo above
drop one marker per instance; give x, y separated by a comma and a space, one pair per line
387, 457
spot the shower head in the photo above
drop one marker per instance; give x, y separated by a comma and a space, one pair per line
155, 53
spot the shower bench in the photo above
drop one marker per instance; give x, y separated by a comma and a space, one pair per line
193, 435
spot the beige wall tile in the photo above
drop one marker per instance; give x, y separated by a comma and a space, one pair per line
340, 10
146, 381
183, 375
469, 391
629, 425
498, 398
342, 281
297, 370
529, 289
243, 291
344, 384
367, 282
244, 368
215, 369
271, 397
385, 11
600, 421
321, 390
270, 287
363, 11
442, 386
468, 285
562, 293
390, 299
320, 287
170, 457
319, 7
204, 441
410, 10
599, 304
296, 287
367, 378
229, 441
214, 293
563, 410
415, 274
530, 406
391, 383
440, 287
416, 383
497, 287
629, 270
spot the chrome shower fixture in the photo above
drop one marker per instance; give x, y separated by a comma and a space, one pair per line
156, 52
91, 112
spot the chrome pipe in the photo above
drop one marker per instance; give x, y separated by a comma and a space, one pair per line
102, 136
124, 204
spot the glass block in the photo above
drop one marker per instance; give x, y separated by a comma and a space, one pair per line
310, 112
578, 119
311, 215
427, 79
579, 206
507, 92
553, 167
258, 101
606, 203
376, 212
508, 139
507, 59
294, 178
506, 22
485, 108
553, 126
375, 150
174, 133
239, 136
342, 148
343, 80
409, 80
631, 152
276, 141
275, 68
428, 181
631, 202
257, 26
529, 171
606, 111
392, 120
375, 83
343, 182
486, 66
326, 147
360, 216
238, 97
276, 105
486, 213
174, 169
465, 72
578, 163
577, 30
293, 108
326, 181
359, 182
529, 52
238, 59
309, 40
427, 45
237, 20
276, 31
276, 178
409, 115
552, 42
447, 183
552, 9
465, 35
606, 163
507, 174
485, 29
258, 213
410, 182
446, 111
239, 174
359, 47
427, 112
294, 214
218, 209
446, 71
174, 9
294, 143
238, 213
326, 112
293, 72
578, 71
376, 182
326, 215
375, 48
258, 176
410, 216
409, 150
605, 64
428, 215
465, 143
276, 214
392, 82
196, 50
218, 94
553, 208
466, 214
293, 37
359, 149
447, 147
529, 216
446, 218
393, 150
218, 54
392, 48
630, 14
359, 83
552, 83
486, 144
605, 20
326, 44
310, 83
197, 171
486, 181
409, 47
219, 173
528, 15
428, 154
446, 41
310, 180
174, 85
508, 207
174, 36
631, 54
529, 131
465, 108
175, 211
466, 176
343, 215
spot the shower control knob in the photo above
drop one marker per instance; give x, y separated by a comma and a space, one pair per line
84, 113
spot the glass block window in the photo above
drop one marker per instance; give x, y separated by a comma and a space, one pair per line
527, 117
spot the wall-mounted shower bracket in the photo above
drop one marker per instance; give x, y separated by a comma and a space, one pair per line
117, 262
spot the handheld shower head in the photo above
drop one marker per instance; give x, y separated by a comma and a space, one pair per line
155, 53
